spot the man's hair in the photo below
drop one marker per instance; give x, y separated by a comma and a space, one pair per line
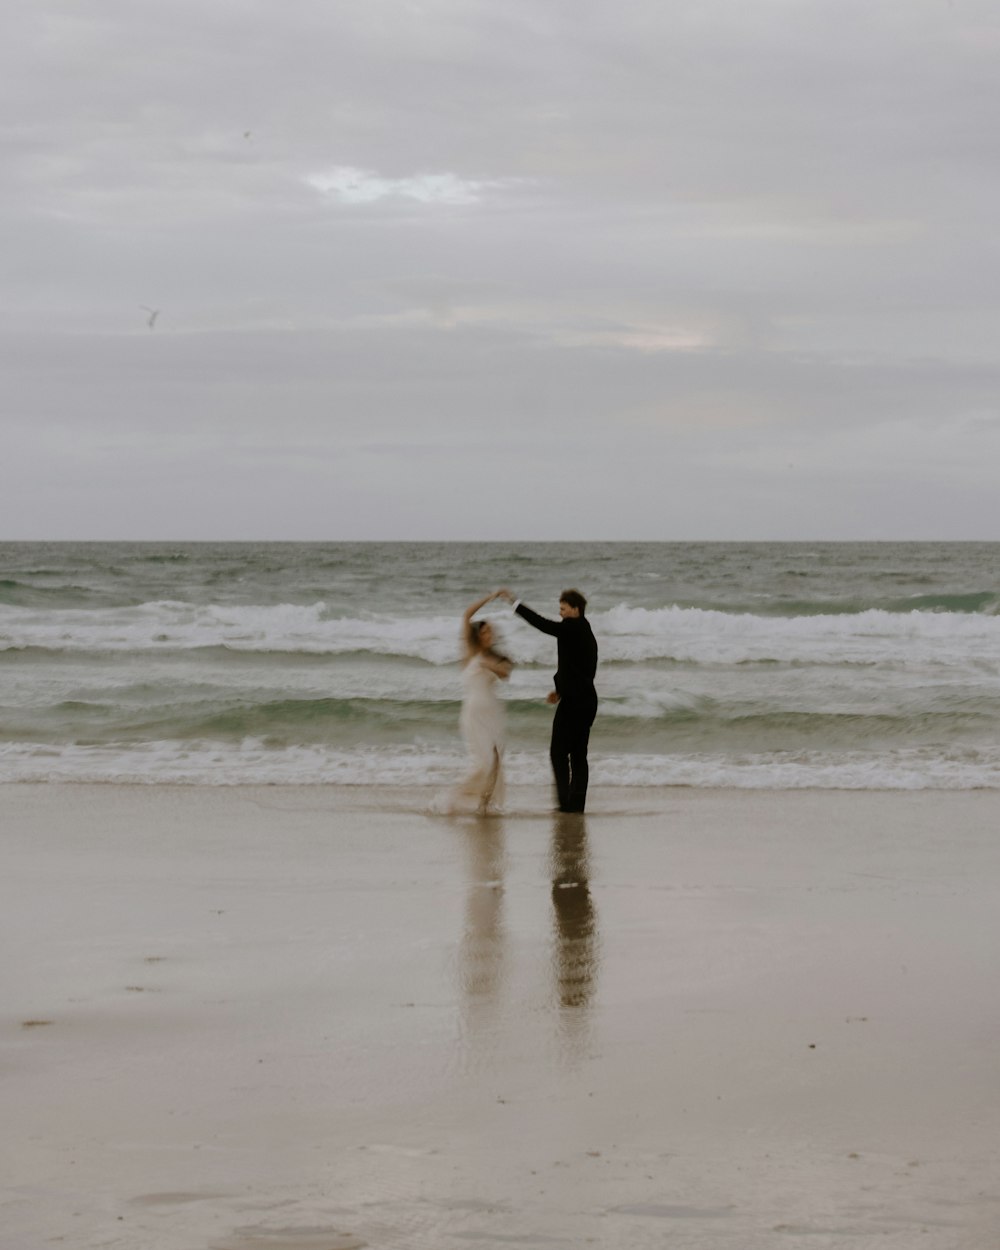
574, 599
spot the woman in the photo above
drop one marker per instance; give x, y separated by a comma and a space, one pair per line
482, 718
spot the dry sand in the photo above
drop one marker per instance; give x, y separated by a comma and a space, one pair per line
314, 1019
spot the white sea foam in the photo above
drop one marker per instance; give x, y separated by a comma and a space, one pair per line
700, 636
686, 635
251, 762
284, 627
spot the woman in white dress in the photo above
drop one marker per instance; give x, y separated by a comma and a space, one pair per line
482, 717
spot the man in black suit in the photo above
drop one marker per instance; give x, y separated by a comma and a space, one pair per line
574, 694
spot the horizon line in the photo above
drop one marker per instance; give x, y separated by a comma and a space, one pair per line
746, 542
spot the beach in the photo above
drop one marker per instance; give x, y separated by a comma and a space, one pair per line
317, 1018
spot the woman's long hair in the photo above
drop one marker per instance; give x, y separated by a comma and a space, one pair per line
475, 645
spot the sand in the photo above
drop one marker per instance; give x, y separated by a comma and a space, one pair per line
317, 1019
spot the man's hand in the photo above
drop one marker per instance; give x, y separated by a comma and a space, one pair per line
504, 593
552, 696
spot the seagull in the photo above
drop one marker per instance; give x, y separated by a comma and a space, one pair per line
153, 314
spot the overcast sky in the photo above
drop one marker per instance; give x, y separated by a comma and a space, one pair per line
507, 269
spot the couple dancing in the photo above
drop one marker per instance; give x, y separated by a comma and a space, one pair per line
574, 696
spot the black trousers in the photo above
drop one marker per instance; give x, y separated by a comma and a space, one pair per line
568, 752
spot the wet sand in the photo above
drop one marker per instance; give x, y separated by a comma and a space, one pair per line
315, 1019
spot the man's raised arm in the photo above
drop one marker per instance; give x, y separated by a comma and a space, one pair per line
539, 622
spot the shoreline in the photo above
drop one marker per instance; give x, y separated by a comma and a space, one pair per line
532, 797
317, 1017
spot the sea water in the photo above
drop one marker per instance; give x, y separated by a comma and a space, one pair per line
847, 665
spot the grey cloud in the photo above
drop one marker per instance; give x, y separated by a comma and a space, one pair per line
700, 241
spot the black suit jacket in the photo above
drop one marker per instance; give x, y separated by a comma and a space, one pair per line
577, 651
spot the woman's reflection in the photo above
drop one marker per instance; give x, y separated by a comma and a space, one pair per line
481, 951
575, 951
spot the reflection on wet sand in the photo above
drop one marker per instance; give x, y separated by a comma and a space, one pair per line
481, 951
576, 952
491, 1008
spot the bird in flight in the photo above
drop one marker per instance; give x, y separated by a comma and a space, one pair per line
153, 314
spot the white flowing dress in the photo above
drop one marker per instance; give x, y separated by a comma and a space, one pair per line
482, 725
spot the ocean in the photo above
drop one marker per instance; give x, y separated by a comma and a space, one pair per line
785, 665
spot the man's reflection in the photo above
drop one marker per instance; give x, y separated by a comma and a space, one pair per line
575, 952
481, 951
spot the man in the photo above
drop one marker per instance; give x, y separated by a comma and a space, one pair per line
574, 694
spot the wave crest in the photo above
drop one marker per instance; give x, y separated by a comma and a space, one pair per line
696, 636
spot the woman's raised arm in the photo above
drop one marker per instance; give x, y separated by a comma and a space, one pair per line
473, 608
